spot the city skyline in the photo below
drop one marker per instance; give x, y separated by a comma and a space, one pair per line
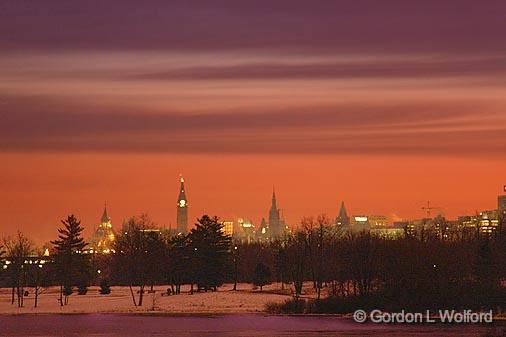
329, 101
239, 167
266, 214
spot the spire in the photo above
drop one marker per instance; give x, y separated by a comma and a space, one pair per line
343, 219
182, 192
105, 216
273, 205
342, 211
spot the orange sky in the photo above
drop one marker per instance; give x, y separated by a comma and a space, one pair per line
384, 106
38, 190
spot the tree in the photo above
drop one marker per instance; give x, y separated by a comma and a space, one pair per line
71, 263
105, 287
177, 262
139, 255
262, 275
39, 276
282, 265
210, 253
17, 250
296, 255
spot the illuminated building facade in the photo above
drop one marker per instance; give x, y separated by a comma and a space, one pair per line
488, 222
485, 222
228, 227
359, 223
102, 240
245, 230
182, 210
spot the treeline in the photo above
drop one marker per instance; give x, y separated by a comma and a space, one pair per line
344, 270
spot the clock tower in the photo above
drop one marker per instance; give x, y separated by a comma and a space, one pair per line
182, 210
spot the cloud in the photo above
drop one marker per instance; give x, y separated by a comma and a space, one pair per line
41, 125
415, 68
325, 26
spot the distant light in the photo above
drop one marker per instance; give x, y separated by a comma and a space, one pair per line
99, 271
434, 266
46, 252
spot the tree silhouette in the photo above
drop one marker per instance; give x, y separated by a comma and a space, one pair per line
18, 249
71, 263
262, 275
139, 255
210, 253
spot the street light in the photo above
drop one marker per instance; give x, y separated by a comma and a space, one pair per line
235, 268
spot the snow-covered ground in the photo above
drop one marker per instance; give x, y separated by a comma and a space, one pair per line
225, 300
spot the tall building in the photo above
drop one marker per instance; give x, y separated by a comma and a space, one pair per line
182, 210
228, 227
501, 205
102, 240
275, 223
342, 219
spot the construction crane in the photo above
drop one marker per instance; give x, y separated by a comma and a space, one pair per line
428, 208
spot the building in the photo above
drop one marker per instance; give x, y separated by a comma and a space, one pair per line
102, 240
394, 231
342, 220
378, 221
501, 205
228, 227
182, 210
488, 221
359, 223
245, 230
262, 233
485, 222
276, 225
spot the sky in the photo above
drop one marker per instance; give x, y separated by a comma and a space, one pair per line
384, 105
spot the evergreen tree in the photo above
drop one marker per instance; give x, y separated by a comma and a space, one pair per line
486, 274
210, 253
178, 262
262, 275
71, 263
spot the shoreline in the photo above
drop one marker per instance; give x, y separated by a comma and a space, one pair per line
246, 300
347, 317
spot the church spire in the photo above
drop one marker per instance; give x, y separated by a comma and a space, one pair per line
274, 218
343, 219
105, 216
273, 204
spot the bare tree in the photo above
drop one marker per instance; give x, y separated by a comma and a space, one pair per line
17, 250
138, 257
